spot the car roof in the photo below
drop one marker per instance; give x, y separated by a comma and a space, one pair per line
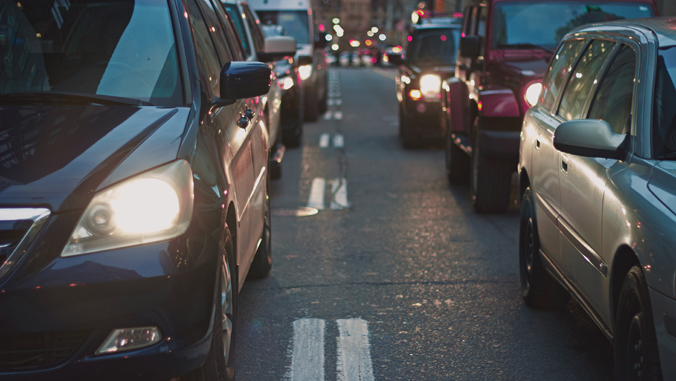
664, 28
436, 26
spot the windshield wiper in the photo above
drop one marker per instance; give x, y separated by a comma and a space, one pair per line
54, 97
525, 46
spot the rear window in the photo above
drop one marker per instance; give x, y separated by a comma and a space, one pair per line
435, 47
296, 23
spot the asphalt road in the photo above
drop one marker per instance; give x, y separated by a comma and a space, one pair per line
405, 282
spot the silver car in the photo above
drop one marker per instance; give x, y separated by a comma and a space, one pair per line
597, 176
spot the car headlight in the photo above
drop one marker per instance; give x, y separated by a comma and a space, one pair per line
150, 207
430, 85
305, 71
533, 93
285, 83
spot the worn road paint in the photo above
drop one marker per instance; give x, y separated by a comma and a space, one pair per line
330, 102
338, 141
307, 362
338, 115
339, 102
324, 140
316, 199
354, 353
339, 191
327, 115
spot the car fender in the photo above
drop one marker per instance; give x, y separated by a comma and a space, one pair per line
497, 103
456, 104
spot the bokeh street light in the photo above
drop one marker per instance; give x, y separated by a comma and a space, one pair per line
336, 20
382, 37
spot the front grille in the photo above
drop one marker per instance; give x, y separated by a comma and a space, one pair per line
19, 352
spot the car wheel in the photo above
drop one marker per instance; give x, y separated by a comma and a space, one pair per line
324, 102
409, 139
491, 179
538, 289
636, 354
262, 262
457, 162
220, 362
312, 107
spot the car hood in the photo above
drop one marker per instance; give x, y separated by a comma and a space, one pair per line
58, 156
530, 68
662, 183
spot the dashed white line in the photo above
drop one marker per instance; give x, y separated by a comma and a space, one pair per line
338, 141
331, 102
338, 115
354, 353
339, 191
316, 199
339, 102
327, 115
307, 362
324, 140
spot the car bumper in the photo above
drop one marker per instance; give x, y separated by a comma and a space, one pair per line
91, 295
503, 144
664, 314
425, 118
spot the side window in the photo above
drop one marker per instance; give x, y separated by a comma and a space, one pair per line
472, 22
466, 20
207, 59
236, 18
614, 99
582, 78
230, 34
217, 33
254, 27
557, 70
481, 28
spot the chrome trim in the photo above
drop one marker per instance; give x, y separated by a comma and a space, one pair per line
551, 214
38, 216
579, 243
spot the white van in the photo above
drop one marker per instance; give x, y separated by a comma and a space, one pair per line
299, 19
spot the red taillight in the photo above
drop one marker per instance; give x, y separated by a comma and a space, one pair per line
415, 94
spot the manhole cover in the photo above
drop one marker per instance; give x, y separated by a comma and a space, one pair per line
298, 212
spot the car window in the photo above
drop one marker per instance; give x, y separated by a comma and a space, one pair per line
473, 22
296, 23
664, 113
254, 27
556, 72
207, 59
481, 29
466, 20
235, 44
217, 33
582, 78
239, 25
434, 47
613, 101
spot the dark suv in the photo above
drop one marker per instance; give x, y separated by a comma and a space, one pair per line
504, 51
429, 59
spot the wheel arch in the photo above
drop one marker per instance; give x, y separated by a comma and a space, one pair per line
524, 182
231, 222
625, 258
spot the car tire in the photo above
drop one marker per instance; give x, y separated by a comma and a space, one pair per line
636, 354
457, 162
220, 365
312, 107
324, 102
409, 139
491, 180
262, 262
538, 289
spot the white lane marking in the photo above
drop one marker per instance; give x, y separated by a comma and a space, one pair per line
316, 199
338, 141
339, 191
324, 140
338, 115
337, 94
339, 102
327, 115
354, 353
331, 102
307, 363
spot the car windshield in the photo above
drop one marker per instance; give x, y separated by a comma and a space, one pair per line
435, 47
664, 125
294, 22
524, 25
80, 48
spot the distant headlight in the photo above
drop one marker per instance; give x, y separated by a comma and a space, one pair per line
430, 85
305, 72
285, 83
533, 93
151, 207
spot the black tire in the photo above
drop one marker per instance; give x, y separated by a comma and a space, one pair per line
636, 354
312, 106
220, 365
262, 262
409, 139
538, 289
457, 162
324, 102
491, 180
276, 171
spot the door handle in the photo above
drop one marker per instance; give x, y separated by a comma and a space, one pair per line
243, 122
564, 166
249, 114
537, 143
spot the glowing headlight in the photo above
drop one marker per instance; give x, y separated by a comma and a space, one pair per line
305, 71
533, 93
151, 207
430, 85
285, 83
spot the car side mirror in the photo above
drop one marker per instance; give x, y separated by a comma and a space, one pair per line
320, 43
241, 80
277, 48
396, 59
590, 138
304, 60
469, 46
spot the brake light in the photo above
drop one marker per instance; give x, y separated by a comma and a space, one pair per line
415, 94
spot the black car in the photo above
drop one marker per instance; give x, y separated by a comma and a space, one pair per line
133, 189
428, 60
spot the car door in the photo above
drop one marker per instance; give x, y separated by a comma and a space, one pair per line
546, 158
222, 123
584, 179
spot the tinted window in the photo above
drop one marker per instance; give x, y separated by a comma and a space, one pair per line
582, 78
235, 44
207, 59
614, 98
556, 72
664, 129
473, 21
435, 47
217, 33
519, 24
254, 27
124, 48
296, 23
239, 25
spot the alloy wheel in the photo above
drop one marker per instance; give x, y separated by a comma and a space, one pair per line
634, 348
